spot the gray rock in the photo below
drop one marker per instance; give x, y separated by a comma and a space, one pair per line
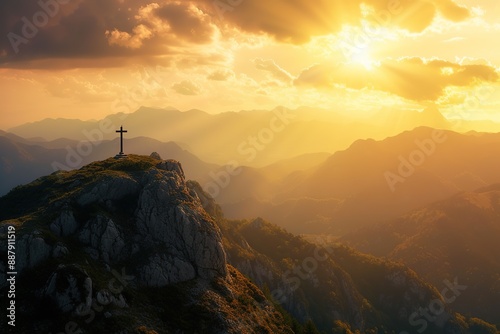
156, 155
105, 297
172, 166
71, 289
162, 270
31, 251
185, 230
60, 250
103, 239
110, 189
166, 229
65, 224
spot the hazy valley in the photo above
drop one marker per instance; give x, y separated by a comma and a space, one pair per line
170, 239
423, 201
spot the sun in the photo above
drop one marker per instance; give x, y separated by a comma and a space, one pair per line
363, 57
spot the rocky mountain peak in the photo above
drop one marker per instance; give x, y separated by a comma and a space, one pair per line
137, 210
131, 209
133, 223
129, 242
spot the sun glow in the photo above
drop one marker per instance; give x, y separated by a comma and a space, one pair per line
363, 57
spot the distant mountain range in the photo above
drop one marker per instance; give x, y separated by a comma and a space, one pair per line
130, 245
308, 193
425, 197
311, 193
252, 138
23, 160
458, 237
385, 178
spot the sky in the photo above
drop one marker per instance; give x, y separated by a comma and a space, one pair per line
90, 58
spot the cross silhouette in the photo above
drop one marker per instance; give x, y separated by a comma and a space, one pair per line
121, 131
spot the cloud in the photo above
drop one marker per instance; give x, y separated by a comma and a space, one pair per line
75, 29
110, 31
186, 87
140, 32
82, 89
412, 78
187, 21
221, 75
454, 39
100, 30
182, 20
452, 11
473, 61
297, 21
121, 38
273, 69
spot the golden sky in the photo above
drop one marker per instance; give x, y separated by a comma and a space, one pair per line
90, 58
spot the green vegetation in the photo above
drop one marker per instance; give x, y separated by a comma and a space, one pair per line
298, 328
335, 289
34, 199
371, 278
189, 306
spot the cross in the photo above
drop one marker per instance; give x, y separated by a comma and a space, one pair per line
121, 131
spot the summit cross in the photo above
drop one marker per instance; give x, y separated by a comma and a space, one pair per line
121, 131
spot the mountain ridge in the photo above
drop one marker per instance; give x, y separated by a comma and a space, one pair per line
34, 159
208, 135
454, 237
138, 217
379, 176
136, 214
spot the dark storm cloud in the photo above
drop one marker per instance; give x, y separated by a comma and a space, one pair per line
60, 29
35, 31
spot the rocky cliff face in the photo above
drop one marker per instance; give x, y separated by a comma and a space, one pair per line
166, 228
135, 217
128, 246
342, 290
